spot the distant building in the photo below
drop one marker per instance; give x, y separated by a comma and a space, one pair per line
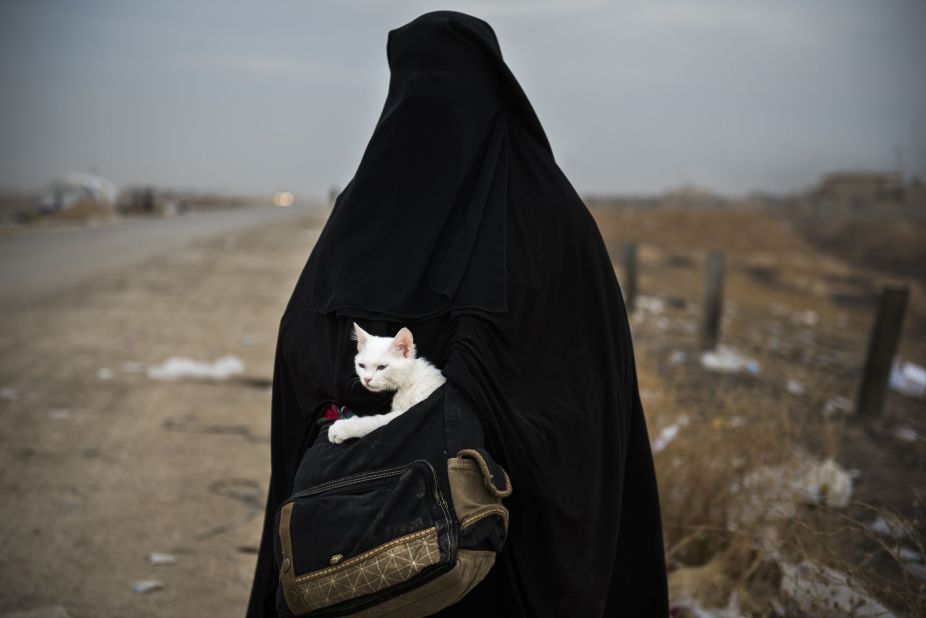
858, 192
70, 190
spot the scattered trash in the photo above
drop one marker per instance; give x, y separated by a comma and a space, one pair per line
647, 394
59, 414
826, 483
650, 304
727, 360
133, 367
104, 373
916, 570
669, 433
906, 434
180, 367
837, 406
677, 357
809, 317
144, 586
890, 525
161, 558
685, 607
907, 554
908, 378
8, 393
824, 592
795, 388
762, 495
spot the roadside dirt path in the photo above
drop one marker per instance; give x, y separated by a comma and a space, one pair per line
101, 465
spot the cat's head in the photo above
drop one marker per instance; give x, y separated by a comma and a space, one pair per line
382, 363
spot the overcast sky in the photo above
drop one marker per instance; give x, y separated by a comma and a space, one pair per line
635, 96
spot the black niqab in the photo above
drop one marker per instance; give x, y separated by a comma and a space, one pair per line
460, 225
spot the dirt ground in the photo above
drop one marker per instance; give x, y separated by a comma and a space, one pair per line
101, 466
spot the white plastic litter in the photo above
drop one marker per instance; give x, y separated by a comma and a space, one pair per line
677, 357
838, 405
916, 570
826, 483
891, 526
144, 586
650, 304
809, 317
180, 367
795, 388
908, 378
906, 434
158, 558
104, 373
669, 433
728, 360
907, 554
827, 593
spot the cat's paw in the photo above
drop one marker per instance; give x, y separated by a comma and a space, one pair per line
343, 429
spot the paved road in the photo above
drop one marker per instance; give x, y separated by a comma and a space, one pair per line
38, 263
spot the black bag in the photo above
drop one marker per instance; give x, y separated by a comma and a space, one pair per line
402, 522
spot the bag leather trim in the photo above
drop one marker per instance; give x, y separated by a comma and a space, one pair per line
378, 568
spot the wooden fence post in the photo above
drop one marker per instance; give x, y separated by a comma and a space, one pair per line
882, 346
713, 301
629, 284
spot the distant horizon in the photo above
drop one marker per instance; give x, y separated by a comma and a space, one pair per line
637, 98
323, 196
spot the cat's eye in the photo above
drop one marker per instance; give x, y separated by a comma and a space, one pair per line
381, 367
361, 365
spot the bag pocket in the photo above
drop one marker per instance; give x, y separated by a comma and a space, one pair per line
477, 486
354, 541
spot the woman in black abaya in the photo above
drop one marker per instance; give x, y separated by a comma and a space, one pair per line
460, 225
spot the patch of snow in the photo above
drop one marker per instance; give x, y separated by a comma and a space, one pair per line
890, 525
825, 592
180, 367
906, 434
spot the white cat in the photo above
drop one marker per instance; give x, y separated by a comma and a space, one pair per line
387, 364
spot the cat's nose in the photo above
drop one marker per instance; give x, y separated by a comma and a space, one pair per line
368, 380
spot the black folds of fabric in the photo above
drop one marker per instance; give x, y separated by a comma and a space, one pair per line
544, 358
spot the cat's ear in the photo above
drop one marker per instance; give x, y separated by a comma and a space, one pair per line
404, 344
360, 336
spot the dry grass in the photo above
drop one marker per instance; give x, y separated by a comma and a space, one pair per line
731, 522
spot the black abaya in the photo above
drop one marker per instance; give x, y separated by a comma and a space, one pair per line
511, 292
